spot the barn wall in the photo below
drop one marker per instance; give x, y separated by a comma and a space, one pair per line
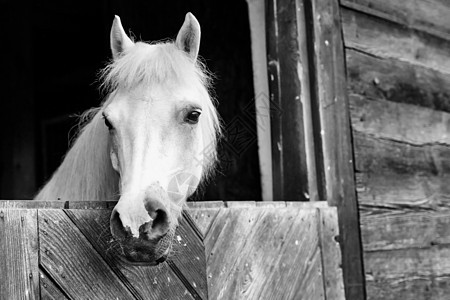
398, 76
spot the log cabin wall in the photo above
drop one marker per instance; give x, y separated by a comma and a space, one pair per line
398, 76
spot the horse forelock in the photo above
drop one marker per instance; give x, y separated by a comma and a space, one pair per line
164, 64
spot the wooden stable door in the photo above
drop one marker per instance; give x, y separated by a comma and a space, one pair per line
221, 250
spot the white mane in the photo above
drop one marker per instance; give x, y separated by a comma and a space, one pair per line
86, 172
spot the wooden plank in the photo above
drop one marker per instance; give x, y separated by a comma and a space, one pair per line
205, 204
397, 81
392, 121
19, 276
189, 256
333, 134
78, 269
241, 204
312, 204
386, 39
417, 273
430, 16
331, 254
30, 204
224, 222
390, 171
384, 229
203, 218
90, 204
289, 154
400, 159
49, 290
146, 282
257, 20
267, 204
251, 253
435, 287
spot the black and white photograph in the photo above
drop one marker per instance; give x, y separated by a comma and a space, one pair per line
225, 150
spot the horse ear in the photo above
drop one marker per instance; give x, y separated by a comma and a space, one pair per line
188, 38
119, 39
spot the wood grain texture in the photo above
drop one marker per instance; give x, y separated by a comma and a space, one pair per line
90, 204
386, 39
404, 228
189, 256
399, 158
271, 251
331, 254
145, 282
390, 171
414, 273
401, 151
203, 218
78, 270
430, 16
412, 288
333, 133
251, 254
19, 275
29, 204
49, 290
400, 122
397, 81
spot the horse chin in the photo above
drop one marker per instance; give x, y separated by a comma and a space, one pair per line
147, 253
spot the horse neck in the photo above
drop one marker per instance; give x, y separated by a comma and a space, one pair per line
86, 173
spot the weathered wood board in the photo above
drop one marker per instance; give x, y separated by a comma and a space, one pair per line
397, 81
398, 76
430, 16
407, 253
222, 250
19, 275
383, 38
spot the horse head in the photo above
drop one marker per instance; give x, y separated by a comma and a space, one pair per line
162, 128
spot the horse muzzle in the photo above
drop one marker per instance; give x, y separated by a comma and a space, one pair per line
144, 233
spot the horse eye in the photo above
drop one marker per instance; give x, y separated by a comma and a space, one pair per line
192, 117
107, 123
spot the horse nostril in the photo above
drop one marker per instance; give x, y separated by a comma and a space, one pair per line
116, 226
160, 223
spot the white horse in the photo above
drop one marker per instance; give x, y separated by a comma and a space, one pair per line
158, 126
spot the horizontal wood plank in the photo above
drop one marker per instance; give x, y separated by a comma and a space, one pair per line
430, 16
415, 273
409, 124
30, 204
385, 229
204, 204
386, 39
397, 81
19, 274
413, 288
390, 171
